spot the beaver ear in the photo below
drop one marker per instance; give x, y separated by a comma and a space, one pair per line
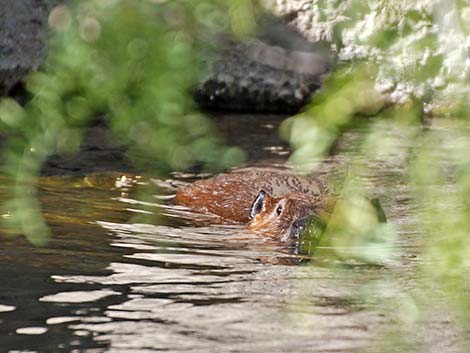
258, 204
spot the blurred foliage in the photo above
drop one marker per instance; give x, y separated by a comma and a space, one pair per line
403, 66
133, 64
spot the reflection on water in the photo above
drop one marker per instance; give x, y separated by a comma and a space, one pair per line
115, 278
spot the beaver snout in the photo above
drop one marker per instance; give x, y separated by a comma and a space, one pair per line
283, 218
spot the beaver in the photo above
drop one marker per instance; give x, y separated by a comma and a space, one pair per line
274, 203
286, 217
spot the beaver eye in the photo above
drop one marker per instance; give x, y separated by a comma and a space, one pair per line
280, 207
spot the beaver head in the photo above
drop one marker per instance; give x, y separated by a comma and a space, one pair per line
283, 218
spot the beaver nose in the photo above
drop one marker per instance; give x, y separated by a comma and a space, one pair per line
255, 222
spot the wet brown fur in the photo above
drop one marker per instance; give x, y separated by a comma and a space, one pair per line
230, 196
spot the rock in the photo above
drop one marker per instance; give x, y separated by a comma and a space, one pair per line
276, 72
23, 34
22, 43
99, 152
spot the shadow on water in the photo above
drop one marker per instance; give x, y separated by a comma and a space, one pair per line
115, 277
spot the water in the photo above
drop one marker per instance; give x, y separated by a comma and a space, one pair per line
117, 277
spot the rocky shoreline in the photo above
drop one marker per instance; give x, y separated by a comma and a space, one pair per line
276, 72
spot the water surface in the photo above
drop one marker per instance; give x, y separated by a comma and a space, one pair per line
127, 271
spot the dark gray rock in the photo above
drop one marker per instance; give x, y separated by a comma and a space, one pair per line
23, 33
21, 40
276, 72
